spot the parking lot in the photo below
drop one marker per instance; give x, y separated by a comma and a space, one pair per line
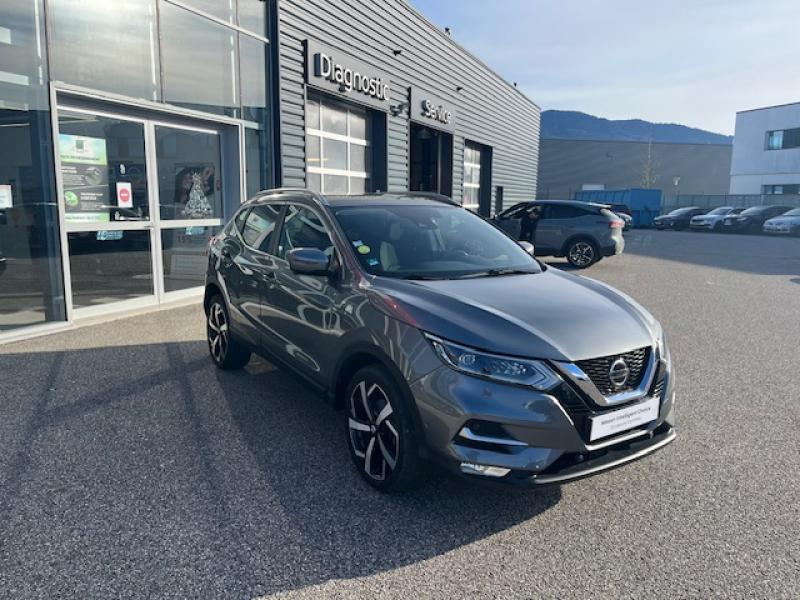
130, 467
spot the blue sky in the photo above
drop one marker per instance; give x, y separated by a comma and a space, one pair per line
694, 62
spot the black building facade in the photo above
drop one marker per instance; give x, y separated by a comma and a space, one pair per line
130, 131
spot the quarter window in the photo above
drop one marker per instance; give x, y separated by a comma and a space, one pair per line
338, 148
302, 228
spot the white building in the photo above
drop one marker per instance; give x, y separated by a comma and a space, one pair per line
766, 151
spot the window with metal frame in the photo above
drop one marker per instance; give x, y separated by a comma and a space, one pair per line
472, 177
338, 147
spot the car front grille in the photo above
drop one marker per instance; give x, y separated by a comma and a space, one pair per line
598, 370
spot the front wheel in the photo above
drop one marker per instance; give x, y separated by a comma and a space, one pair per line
582, 254
380, 429
226, 352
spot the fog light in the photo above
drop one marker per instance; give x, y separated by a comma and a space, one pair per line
486, 470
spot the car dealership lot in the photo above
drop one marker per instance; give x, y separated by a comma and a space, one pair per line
129, 466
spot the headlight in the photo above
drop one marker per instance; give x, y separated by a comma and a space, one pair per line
506, 369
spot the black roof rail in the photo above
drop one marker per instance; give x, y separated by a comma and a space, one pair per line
323, 200
432, 196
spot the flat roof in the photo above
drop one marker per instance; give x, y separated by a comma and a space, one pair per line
768, 107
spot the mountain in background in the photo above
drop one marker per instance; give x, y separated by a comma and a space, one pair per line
574, 125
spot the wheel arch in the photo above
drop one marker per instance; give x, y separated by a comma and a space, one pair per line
212, 289
361, 355
579, 237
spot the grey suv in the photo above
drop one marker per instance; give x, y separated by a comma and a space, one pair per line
583, 232
440, 338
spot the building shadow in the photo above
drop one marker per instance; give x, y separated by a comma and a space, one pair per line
143, 470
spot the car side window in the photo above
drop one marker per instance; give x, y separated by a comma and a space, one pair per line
259, 225
515, 212
302, 228
564, 212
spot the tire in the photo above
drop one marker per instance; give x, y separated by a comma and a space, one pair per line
717, 228
582, 253
226, 352
380, 430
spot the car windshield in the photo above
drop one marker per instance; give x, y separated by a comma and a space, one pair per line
754, 210
680, 211
430, 242
722, 210
795, 212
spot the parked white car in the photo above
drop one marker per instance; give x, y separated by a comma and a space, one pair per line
786, 224
712, 221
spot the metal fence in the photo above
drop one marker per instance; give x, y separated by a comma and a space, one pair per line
669, 203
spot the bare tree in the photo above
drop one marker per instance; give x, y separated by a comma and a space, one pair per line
649, 175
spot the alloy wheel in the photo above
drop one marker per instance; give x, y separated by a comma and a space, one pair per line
217, 332
581, 254
373, 435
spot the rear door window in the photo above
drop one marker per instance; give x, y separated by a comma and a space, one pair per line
258, 226
558, 211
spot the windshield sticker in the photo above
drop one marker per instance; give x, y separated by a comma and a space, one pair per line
363, 249
358, 243
372, 262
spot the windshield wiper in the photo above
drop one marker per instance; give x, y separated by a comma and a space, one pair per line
497, 273
418, 277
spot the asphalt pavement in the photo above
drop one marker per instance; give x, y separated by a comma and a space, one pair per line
132, 468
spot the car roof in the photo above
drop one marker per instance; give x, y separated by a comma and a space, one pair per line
568, 203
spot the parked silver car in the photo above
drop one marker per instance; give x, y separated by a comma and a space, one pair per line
786, 224
583, 232
712, 221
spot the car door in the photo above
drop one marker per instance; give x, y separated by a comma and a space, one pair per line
249, 268
510, 220
302, 310
553, 228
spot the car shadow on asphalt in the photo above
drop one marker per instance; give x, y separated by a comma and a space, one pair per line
340, 527
212, 483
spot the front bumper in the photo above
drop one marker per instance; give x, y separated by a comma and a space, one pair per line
702, 225
534, 436
738, 226
776, 230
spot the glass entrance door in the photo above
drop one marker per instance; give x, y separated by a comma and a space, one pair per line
190, 202
140, 200
107, 209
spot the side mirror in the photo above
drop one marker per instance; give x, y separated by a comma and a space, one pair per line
308, 261
527, 246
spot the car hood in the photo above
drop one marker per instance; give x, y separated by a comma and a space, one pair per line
551, 315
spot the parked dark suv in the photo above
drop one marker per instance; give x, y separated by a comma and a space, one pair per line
439, 337
583, 232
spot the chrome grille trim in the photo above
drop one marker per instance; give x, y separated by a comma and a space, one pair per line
646, 365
